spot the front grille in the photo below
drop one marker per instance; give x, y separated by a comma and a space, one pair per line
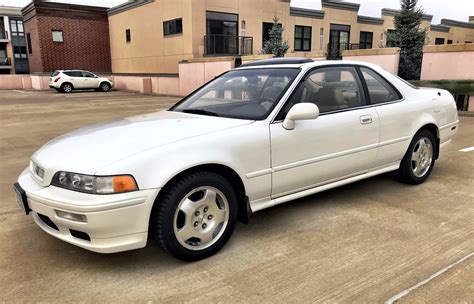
48, 221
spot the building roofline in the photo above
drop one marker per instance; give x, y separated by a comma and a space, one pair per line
304, 12
439, 28
66, 10
10, 11
369, 20
131, 4
393, 12
350, 6
451, 22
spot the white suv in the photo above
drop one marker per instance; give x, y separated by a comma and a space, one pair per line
67, 80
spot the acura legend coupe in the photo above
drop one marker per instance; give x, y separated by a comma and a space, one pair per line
263, 134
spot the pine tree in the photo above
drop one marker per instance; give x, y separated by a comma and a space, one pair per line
275, 45
410, 38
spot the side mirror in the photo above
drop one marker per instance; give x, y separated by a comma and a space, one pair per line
300, 111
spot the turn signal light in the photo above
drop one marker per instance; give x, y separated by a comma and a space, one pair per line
124, 183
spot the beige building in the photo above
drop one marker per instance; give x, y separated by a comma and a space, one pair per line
153, 36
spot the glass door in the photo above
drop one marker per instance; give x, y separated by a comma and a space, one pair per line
338, 40
221, 33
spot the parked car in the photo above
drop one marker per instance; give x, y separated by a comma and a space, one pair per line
264, 134
68, 80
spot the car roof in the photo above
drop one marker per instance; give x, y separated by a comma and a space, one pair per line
300, 63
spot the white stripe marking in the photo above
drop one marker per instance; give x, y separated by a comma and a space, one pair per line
433, 276
469, 149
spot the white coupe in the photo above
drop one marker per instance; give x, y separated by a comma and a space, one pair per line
260, 135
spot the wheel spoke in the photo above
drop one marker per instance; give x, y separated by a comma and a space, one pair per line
187, 207
415, 155
209, 197
206, 236
219, 215
185, 233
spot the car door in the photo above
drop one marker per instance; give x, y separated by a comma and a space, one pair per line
396, 118
90, 81
340, 143
75, 77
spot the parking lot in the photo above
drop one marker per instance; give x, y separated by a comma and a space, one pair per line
366, 242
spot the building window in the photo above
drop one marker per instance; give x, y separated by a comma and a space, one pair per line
19, 52
28, 42
266, 28
16, 27
128, 37
450, 41
365, 41
390, 41
439, 41
173, 27
302, 38
57, 36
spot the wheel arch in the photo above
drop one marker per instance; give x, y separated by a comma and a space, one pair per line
226, 172
66, 82
433, 129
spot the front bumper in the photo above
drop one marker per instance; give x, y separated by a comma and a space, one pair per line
116, 222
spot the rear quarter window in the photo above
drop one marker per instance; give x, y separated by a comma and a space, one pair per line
55, 73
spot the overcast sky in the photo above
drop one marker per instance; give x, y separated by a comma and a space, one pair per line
452, 9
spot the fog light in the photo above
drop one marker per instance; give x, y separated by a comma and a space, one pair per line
71, 216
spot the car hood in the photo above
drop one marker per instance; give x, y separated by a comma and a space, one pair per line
88, 149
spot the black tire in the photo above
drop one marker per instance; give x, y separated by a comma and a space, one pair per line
66, 88
104, 87
162, 220
406, 172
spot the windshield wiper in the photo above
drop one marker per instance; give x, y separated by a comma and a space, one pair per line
200, 111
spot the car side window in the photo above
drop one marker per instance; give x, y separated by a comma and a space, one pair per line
331, 89
380, 90
87, 74
73, 74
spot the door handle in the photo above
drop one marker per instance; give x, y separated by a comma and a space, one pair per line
366, 119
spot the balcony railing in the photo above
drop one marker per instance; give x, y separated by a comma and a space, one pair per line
228, 45
3, 35
335, 49
5, 61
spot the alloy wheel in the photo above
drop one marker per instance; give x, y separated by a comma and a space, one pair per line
422, 157
201, 218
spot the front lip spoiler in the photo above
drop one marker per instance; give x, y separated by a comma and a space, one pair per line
93, 208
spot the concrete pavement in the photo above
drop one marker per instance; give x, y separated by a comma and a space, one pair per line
364, 242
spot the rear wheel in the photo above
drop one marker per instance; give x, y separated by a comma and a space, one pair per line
418, 162
66, 88
195, 217
105, 87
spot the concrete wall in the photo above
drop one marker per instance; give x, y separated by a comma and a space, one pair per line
15, 82
194, 73
454, 62
145, 84
387, 58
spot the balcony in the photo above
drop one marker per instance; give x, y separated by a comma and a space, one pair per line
228, 45
5, 63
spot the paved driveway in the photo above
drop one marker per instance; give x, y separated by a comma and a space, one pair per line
364, 242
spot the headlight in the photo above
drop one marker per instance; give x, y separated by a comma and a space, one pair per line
94, 184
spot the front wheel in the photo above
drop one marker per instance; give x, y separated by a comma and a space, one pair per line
104, 87
195, 217
418, 162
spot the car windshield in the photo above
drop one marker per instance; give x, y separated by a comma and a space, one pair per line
244, 94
